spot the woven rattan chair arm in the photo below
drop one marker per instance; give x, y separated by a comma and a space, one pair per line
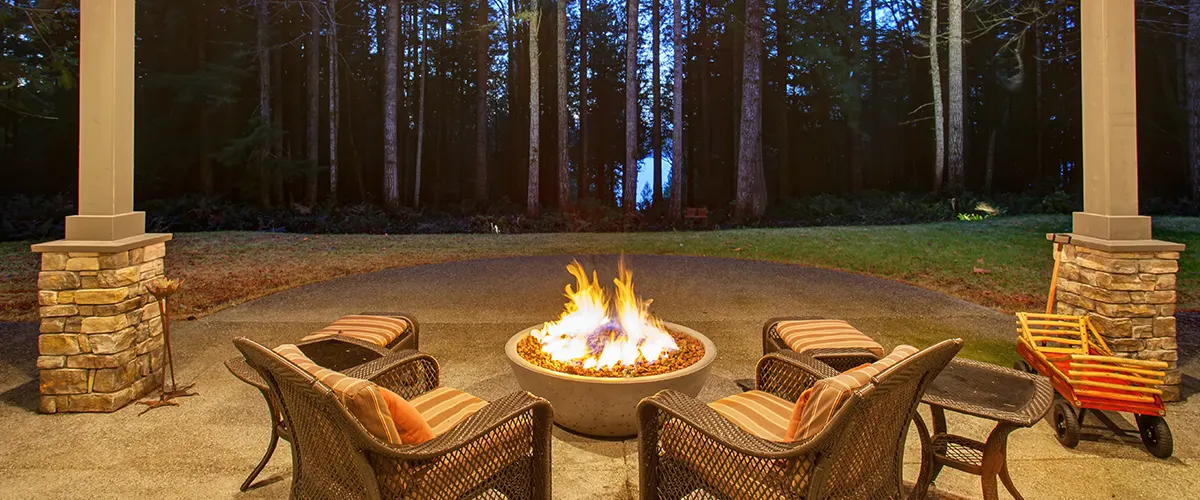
692, 413
407, 373
787, 374
244, 372
487, 420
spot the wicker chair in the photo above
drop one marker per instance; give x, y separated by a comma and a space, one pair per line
685, 445
840, 359
338, 353
502, 449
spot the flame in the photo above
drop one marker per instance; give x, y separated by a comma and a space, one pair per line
599, 330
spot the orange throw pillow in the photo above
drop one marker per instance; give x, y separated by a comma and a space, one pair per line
381, 412
409, 423
794, 422
817, 405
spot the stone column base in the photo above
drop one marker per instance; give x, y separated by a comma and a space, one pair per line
101, 343
1130, 297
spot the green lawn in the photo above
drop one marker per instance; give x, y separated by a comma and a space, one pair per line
1003, 263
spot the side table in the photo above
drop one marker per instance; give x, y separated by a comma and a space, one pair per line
1012, 399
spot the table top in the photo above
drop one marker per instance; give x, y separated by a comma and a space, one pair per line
993, 392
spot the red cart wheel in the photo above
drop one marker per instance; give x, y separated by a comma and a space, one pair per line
1023, 366
1065, 422
1156, 435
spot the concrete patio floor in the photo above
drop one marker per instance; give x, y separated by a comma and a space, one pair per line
205, 447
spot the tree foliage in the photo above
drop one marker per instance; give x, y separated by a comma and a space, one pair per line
846, 99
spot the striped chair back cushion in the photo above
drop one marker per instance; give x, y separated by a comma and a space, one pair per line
445, 407
817, 405
378, 330
804, 335
381, 412
760, 413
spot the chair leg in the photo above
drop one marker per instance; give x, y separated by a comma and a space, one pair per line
1008, 482
266, 458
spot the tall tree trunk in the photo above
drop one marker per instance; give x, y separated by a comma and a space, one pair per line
990, 172
511, 50
1039, 127
1193, 94
203, 159
334, 102
391, 151
279, 176
855, 100
264, 100
312, 144
935, 74
420, 112
656, 111
872, 111
736, 68
751, 187
699, 189
532, 205
629, 187
957, 175
436, 177
360, 183
677, 112
481, 98
581, 170
782, 54
564, 176
406, 109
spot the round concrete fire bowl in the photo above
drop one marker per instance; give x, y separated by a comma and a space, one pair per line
606, 407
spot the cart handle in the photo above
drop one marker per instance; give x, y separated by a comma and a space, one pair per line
1060, 240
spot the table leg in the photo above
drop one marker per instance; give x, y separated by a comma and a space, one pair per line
995, 462
939, 419
1008, 482
939, 428
925, 476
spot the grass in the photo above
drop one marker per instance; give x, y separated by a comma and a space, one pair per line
1003, 263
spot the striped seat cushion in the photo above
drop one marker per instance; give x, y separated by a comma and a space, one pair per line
817, 405
760, 413
804, 335
378, 330
445, 407
381, 412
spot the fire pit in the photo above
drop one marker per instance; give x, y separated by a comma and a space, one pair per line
604, 355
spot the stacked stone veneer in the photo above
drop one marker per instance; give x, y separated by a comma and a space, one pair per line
101, 341
1131, 300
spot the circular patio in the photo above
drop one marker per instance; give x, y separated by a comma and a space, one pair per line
468, 310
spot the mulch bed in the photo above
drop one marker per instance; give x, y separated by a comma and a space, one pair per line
690, 351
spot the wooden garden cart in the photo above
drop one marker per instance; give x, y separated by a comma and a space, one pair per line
1087, 376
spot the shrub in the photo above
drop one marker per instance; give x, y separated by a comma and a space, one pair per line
32, 217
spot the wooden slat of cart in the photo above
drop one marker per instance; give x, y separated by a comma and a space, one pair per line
1114, 396
1117, 387
1039, 338
1058, 333
1141, 363
1114, 376
1139, 371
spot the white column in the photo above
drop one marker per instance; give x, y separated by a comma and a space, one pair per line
106, 108
1110, 177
